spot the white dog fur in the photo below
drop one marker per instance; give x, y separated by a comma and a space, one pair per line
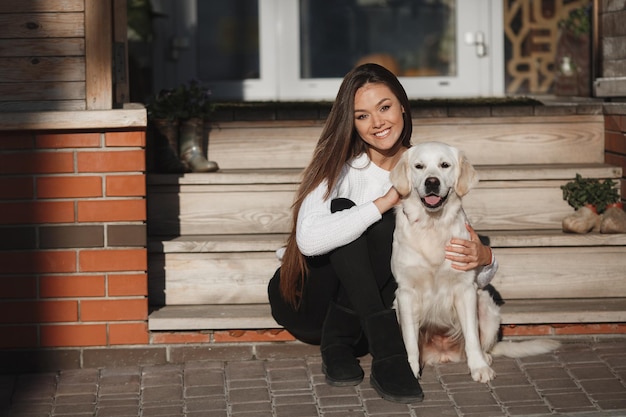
443, 315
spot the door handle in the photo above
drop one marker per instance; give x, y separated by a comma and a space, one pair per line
478, 40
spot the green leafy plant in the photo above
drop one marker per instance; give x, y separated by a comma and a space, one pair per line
187, 101
590, 191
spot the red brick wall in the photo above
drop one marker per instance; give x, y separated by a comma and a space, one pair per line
73, 255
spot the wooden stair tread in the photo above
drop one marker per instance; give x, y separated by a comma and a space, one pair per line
486, 173
258, 316
270, 242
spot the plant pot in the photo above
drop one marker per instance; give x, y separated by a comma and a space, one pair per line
618, 205
591, 207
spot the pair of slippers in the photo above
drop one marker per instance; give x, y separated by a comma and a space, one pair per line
585, 220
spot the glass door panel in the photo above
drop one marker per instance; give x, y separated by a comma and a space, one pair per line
439, 48
301, 49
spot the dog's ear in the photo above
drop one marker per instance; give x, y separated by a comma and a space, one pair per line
467, 177
400, 176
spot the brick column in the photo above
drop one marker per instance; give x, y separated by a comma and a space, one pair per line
73, 256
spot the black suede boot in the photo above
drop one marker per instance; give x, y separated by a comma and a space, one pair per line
340, 334
391, 374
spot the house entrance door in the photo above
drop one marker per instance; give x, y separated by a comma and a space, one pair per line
300, 50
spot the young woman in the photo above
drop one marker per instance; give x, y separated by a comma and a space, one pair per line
335, 286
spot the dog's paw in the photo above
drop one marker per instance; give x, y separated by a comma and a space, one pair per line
488, 358
484, 374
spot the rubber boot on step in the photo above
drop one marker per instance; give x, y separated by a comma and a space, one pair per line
391, 374
190, 143
341, 333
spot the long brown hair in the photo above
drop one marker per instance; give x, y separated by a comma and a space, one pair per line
338, 143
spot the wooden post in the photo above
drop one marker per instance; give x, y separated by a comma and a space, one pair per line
98, 53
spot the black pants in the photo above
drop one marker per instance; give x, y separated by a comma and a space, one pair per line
357, 276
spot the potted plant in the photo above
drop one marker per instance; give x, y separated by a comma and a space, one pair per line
591, 198
180, 116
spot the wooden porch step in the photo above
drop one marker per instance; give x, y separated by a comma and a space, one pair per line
486, 140
226, 269
271, 242
258, 316
249, 201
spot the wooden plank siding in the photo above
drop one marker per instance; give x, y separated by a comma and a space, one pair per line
56, 55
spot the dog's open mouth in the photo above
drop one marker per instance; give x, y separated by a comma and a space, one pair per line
433, 201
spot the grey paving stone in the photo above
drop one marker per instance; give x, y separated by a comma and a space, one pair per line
122, 411
546, 372
301, 398
214, 413
286, 350
170, 410
556, 385
245, 370
289, 374
204, 391
594, 371
154, 380
74, 389
325, 390
261, 407
603, 386
162, 393
75, 399
424, 410
508, 380
297, 410
480, 411
574, 400
529, 410
510, 394
195, 377
469, 399
74, 408
195, 353
254, 395
339, 401
378, 406
344, 413
277, 387
205, 404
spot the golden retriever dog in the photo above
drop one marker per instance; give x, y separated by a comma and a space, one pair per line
443, 315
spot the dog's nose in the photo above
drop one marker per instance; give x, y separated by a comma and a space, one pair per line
432, 185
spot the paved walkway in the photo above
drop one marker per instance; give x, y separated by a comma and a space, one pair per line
585, 377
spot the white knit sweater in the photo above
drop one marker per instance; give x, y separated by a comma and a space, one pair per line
318, 231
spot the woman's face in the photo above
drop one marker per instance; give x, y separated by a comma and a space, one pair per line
378, 118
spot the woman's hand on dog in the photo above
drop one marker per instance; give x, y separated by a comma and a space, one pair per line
388, 201
468, 254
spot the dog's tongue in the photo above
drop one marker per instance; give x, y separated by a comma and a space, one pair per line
432, 200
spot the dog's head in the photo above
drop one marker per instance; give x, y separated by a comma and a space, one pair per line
434, 171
